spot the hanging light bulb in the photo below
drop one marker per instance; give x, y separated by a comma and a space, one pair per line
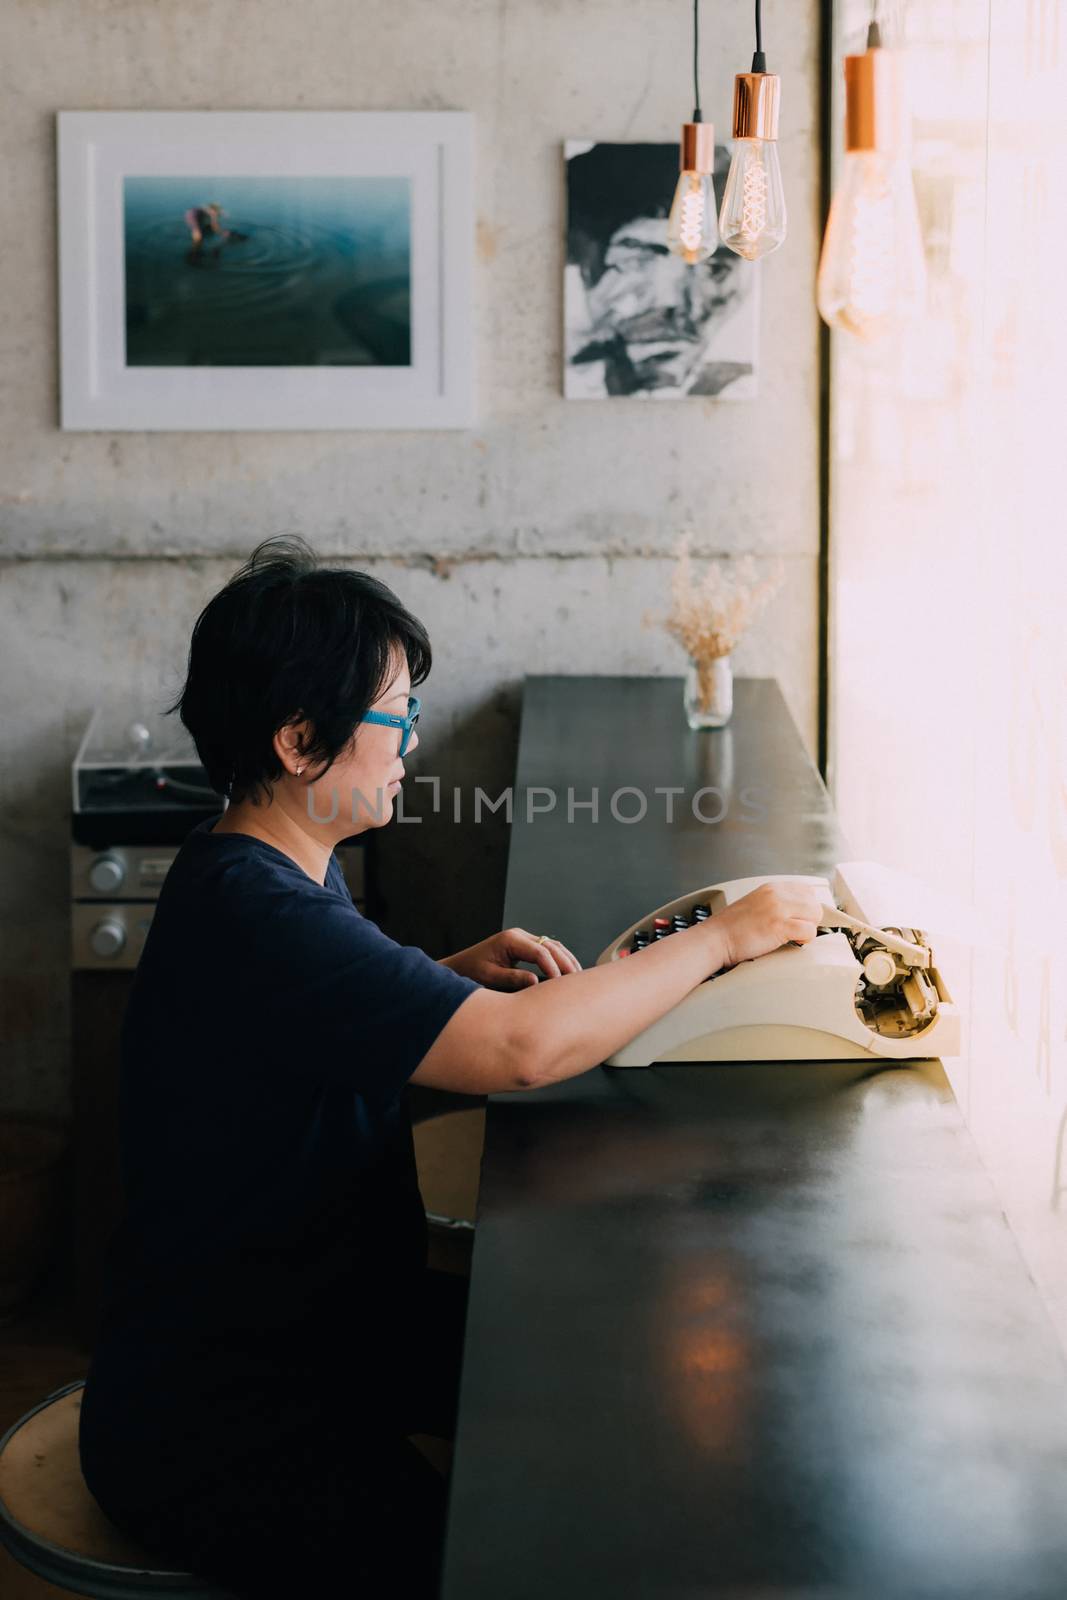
692, 230
752, 221
872, 272
753, 217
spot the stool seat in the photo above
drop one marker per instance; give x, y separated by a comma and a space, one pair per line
51, 1524
448, 1154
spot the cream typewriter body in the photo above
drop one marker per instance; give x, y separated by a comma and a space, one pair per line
866, 985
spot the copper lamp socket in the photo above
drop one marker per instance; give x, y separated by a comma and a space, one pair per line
697, 150
874, 102
756, 97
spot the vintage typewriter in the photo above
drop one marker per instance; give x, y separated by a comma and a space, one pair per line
866, 985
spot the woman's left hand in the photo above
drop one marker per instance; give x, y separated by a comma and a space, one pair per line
492, 962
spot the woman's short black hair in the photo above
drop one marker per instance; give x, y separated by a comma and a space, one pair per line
288, 640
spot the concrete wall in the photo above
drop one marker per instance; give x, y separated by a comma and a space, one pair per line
533, 542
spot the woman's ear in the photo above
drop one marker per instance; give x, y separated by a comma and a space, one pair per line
290, 742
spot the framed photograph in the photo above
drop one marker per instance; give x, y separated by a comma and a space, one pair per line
639, 322
273, 270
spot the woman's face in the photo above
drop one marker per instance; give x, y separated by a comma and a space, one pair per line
362, 784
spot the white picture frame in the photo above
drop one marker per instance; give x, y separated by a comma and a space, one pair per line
428, 154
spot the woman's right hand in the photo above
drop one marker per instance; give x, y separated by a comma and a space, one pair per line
767, 917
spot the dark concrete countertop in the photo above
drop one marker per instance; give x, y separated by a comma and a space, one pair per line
745, 1330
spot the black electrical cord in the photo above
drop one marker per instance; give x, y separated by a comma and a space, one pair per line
697, 117
759, 60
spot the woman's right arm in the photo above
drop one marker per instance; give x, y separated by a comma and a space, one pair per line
563, 1026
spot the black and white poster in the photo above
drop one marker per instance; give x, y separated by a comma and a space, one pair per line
639, 321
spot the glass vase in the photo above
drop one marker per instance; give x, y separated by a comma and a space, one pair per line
709, 692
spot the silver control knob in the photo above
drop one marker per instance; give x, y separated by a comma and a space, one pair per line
107, 938
106, 874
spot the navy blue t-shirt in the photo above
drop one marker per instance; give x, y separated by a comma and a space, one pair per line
273, 1225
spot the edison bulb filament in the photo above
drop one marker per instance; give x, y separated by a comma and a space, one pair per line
753, 218
691, 228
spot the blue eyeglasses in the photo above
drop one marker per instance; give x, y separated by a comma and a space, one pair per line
388, 719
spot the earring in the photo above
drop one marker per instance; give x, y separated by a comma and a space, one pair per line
299, 770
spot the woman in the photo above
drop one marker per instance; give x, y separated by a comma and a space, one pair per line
204, 220
272, 1337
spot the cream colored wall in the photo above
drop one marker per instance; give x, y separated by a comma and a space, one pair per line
949, 579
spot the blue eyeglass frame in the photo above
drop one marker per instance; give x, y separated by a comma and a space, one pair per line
390, 719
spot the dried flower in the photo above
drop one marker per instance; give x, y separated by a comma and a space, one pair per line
708, 615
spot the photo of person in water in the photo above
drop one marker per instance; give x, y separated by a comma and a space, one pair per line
303, 271
638, 321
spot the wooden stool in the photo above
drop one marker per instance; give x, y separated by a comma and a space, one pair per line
448, 1155
51, 1524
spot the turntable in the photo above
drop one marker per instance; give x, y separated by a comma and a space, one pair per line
138, 779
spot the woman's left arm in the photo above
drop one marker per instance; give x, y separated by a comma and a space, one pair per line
492, 962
